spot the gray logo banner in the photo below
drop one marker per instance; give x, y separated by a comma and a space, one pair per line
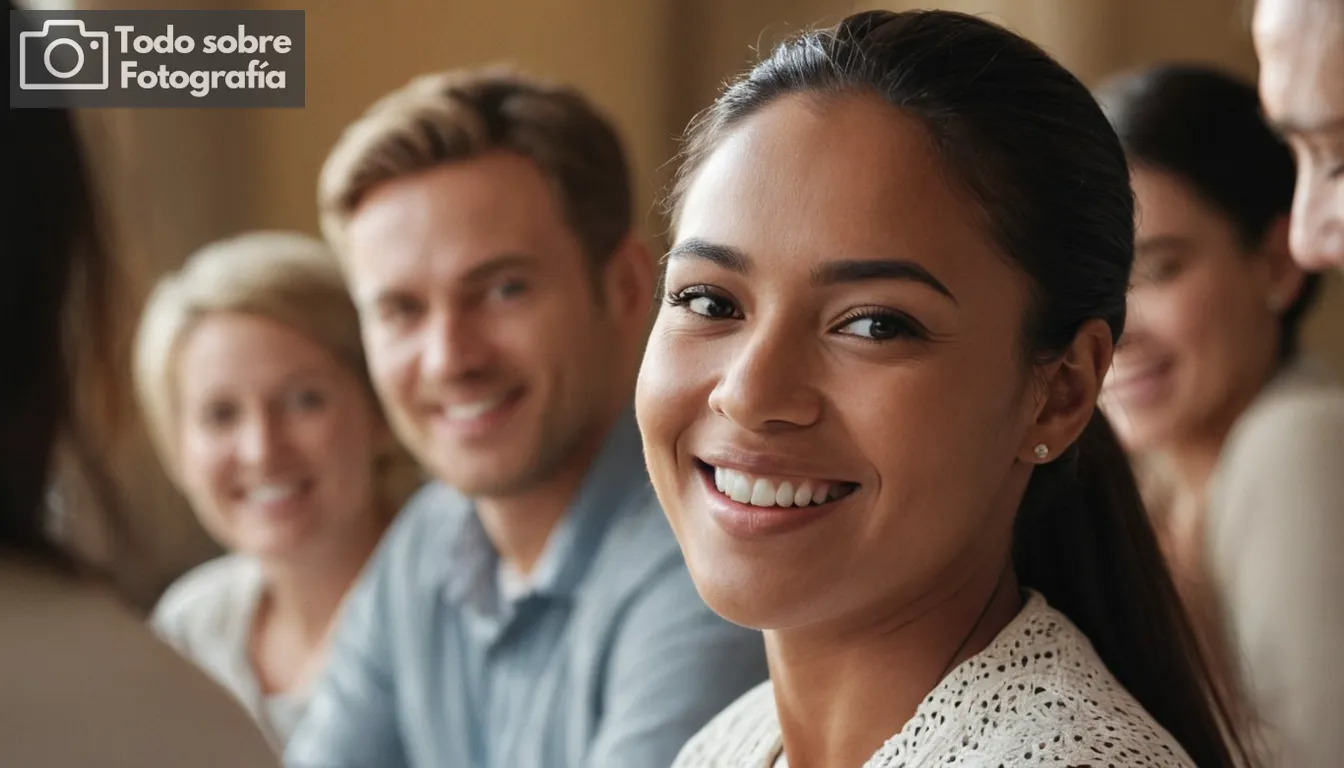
156, 59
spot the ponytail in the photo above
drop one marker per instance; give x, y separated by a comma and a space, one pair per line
1083, 540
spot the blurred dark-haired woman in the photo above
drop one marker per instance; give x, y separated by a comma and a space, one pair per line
82, 681
1239, 438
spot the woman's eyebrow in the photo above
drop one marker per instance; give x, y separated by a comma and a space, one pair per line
723, 255
830, 273
861, 270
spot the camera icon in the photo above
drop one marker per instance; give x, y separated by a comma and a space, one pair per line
64, 56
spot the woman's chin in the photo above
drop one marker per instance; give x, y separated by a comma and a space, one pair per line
276, 545
755, 596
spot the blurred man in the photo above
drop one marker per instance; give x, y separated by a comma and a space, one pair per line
531, 610
1301, 49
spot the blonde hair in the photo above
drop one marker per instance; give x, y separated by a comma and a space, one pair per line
457, 115
287, 277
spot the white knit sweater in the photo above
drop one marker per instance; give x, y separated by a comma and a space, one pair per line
1038, 695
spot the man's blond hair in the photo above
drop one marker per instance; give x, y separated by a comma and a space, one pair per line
452, 116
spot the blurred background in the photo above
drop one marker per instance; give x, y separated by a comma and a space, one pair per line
176, 179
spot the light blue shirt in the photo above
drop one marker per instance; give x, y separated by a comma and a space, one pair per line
609, 660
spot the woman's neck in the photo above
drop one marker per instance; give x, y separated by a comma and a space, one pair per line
1194, 457
298, 609
1193, 462
842, 692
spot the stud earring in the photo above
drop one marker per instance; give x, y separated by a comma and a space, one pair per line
1041, 451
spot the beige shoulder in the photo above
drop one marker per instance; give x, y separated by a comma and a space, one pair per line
92, 685
1311, 414
1287, 445
1279, 486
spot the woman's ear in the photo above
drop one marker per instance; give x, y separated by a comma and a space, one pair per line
1284, 278
1071, 387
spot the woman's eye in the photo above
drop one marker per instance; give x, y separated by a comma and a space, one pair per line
400, 309
219, 415
1156, 271
307, 400
710, 307
703, 302
879, 327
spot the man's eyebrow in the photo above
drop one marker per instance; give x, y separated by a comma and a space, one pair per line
500, 263
477, 274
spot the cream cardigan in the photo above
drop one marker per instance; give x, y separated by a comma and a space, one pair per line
1274, 544
1038, 695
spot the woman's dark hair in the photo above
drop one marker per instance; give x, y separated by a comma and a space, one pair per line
1025, 140
57, 299
1206, 128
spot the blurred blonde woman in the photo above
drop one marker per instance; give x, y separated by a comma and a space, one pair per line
251, 374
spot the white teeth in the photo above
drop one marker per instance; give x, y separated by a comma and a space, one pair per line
469, 411
821, 493
269, 494
764, 492
739, 487
803, 496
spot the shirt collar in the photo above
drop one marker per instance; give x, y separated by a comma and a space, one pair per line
615, 479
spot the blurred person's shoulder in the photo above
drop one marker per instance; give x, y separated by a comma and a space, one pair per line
1281, 467
639, 550
422, 546
87, 683
1304, 388
210, 600
1289, 440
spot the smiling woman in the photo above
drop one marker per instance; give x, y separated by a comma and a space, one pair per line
250, 369
868, 404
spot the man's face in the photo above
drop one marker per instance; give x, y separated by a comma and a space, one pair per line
1301, 49
485, 336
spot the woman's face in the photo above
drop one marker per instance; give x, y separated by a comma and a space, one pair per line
1201, 336
833, 400
277, 440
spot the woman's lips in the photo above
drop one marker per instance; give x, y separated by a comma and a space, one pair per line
755, 516
1142, 385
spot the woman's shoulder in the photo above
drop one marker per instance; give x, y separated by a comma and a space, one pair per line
1039, 693
1304, 403
210, 601
1284, 453
743, 734
86, 666
1075, 709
